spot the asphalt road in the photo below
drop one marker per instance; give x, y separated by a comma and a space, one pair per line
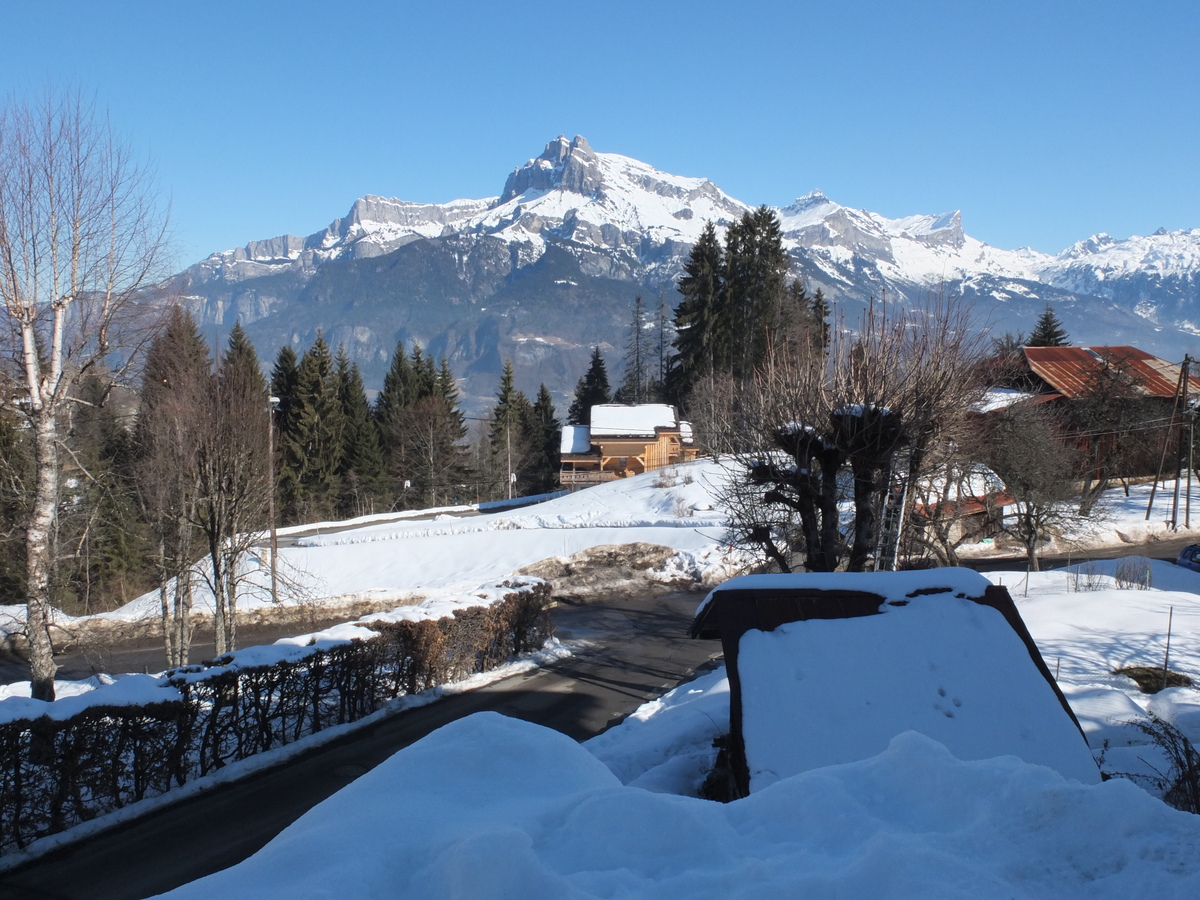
637, 649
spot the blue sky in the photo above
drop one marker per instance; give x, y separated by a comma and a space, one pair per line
1043, 122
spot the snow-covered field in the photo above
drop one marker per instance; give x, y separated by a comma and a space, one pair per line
491, 807
420, 562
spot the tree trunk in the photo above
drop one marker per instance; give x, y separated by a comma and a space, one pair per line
39, 536
218, 589
231, 580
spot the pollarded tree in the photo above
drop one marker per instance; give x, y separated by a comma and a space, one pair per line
80, 237
591, 390
1049, 331
809, 431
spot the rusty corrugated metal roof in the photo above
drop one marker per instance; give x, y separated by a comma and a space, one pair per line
1071, 370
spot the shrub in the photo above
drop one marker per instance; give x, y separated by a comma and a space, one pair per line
57, 773
1133, 574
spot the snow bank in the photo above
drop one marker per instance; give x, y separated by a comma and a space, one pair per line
826, 691
489, 807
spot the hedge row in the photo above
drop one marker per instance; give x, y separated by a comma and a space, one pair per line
56, 774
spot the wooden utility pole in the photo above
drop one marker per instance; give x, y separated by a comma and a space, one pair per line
272, 405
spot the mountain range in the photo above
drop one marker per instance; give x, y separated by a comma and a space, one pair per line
550, 268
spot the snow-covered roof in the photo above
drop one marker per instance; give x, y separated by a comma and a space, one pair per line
995, 399
619, 420
575, 439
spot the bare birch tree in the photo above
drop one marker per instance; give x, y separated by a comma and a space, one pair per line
80, 235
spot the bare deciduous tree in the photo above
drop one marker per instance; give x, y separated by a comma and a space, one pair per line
1035, 470
80, 235
811, 428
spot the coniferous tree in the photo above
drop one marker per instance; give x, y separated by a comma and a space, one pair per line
16, 470
314, 447
820, 319
546, 444
591, 390
103, 540
398, 395
662, 350
637, 358
176, 383
284, 377
755, 279
283, 385
698, 346
233, 491
424, 374
435, 428
508, 434
361, 466
399, 387
1049, 331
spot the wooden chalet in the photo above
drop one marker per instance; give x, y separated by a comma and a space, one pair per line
1151, 395
622, 441
925, 659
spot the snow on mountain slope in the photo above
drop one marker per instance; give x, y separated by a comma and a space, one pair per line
1092, 266
569, 193
921, 249
604, 205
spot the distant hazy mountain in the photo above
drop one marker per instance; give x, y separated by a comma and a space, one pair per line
551, 266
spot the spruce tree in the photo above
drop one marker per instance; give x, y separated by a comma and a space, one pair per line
435, 428
756, 270
424, 374
1049, 331
591, 390
398, 395
637, 358
819, 312
315, 445
546, 444
697, 318
176, 382
662, 348
283, 386
361, 465
508, 434
399, 387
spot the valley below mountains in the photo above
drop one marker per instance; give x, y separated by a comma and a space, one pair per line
550, 268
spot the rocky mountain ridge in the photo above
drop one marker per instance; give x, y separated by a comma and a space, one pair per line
549, 267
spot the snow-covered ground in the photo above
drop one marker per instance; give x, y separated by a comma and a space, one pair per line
422, 562
491, 807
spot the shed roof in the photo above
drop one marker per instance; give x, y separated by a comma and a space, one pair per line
575, 439
1071, 370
